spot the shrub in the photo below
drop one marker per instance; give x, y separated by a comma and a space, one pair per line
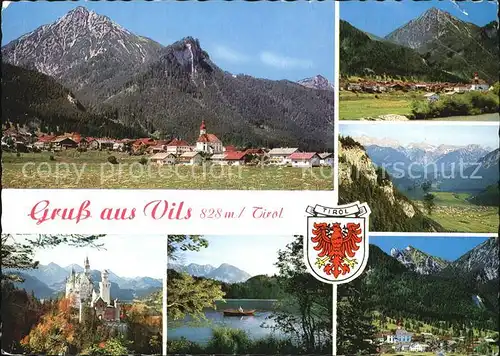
52, 158
82, 149
18, 154
112, 160
143, 161
229, 341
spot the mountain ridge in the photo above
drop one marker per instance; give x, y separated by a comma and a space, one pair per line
150, 88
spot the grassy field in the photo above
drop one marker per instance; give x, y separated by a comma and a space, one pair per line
456, 214
72, 169
354, 106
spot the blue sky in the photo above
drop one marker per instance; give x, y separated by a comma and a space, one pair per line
253, 254
274, 40
382, 17
460, 135
125, 255
449, 248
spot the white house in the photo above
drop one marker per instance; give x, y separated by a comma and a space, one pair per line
432, 97
218, 158
163, 158
178, 147
326, 159
281, 156
304, 159
417, 347
190, 158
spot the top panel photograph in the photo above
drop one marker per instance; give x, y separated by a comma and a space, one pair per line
168, 95
419, 60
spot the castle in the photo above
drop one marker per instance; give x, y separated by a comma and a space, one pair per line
81, 291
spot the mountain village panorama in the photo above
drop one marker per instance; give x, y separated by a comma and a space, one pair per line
207, 148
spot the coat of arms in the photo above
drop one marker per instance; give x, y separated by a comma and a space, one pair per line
336, 245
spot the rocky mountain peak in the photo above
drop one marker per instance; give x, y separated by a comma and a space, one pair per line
429, 26
419, 261
316, 82
73, 41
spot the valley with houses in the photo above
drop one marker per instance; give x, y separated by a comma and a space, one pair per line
436, 66
84, 94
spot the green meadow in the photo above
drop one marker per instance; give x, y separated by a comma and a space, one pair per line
91, 169
456, 214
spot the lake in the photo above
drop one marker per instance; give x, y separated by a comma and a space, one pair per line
482, 117
201, 331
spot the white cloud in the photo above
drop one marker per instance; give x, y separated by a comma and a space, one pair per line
229, 55
5, 4
283, 62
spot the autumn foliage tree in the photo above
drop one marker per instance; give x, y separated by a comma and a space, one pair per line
55, 333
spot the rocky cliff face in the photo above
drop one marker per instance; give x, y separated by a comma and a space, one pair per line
482, 260
360, 180
419, 261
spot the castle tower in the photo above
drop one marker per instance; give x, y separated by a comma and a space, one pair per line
117, 310
87, 265
203, 129
105, 287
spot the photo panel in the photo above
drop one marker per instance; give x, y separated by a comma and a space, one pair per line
427, 177
419, 60
82, 294
244, 295
429, 294
161, 95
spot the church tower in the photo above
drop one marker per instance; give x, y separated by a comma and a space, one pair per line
87, 265
203, 129
105, 287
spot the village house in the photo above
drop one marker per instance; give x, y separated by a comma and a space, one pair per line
160, 146
143, 144
236, 158
479, 84
44, 142
64, 143
431, 97
101, 143
304, 159
178, 147
281, 156
326, 159
417, 347
218, 158
190, 158
122, 145
401, 335
163, 158
256, 152
208, 143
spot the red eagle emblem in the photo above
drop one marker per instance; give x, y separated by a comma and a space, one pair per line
337, 247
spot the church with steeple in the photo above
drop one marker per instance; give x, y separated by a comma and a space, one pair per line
82, 292
208, 143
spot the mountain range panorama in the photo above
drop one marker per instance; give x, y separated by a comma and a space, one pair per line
225, 272
435, 46
134, 84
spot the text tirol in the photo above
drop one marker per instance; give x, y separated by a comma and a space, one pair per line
44, 211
